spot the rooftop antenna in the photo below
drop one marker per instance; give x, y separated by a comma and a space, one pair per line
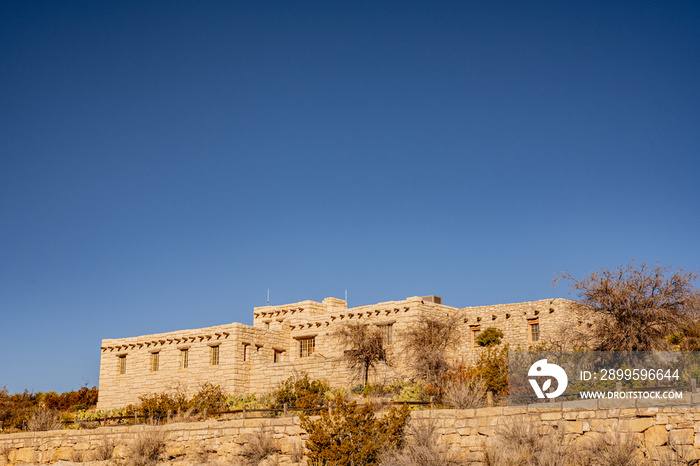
268, 296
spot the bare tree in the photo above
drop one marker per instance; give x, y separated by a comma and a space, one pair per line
428, 342
366, 348
635, 307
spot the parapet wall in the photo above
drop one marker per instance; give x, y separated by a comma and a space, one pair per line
467, 432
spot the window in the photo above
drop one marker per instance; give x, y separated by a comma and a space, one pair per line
387, 334
277, 357
534, 331
307, 346
246, 352
184, 358
476, 330
154, 362
121, 368
214, 360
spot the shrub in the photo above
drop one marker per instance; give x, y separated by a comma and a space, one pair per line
209, 397
259, 446
301, 392
464, 392
147, 449
421, 449
104, 450
411, 392
16, 409
492, 368
44, 419
521, 444
489, 337
79, 400
157, 405
351, 435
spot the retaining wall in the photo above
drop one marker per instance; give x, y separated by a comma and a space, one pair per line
466, 431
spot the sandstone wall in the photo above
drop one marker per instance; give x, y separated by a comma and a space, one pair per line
467, 432
254, 359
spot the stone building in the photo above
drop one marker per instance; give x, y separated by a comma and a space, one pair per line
294, 338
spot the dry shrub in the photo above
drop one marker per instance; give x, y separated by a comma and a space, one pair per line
44, 419
421, 449
147, 449
673, 455
464, 393
520, 444
297, 453
612, 450
77, 456
259, 447
428, 342
188, 415
104, 451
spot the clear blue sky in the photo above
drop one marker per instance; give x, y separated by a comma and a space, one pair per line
163, 163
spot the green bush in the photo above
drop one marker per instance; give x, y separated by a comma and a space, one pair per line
301, 392
351, 435
490, 337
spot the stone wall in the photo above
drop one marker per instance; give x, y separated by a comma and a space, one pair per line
467, 432
254, 359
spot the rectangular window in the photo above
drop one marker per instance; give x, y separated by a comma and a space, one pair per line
154, 362
307, 346
184, 358
475, 334
122, 365
278, 356
246, 352
534, 332
214, 360
387, 334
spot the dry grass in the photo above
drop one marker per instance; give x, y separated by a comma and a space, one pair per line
297, 453
147, 449
522, 444
44, 419
422, 449
260, 446
465, 393
104, 451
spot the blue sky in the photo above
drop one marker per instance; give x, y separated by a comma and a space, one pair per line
162, 164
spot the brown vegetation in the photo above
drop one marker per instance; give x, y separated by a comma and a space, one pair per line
352, 435
428, 342
635, 307
365, 343
259, 447
422, 448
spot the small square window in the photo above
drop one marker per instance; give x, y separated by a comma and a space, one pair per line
214, 359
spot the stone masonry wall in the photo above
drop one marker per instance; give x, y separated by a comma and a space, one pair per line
467, 432
254, 359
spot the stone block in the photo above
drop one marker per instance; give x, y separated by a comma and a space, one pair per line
655, 436
636, 425
681, 437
